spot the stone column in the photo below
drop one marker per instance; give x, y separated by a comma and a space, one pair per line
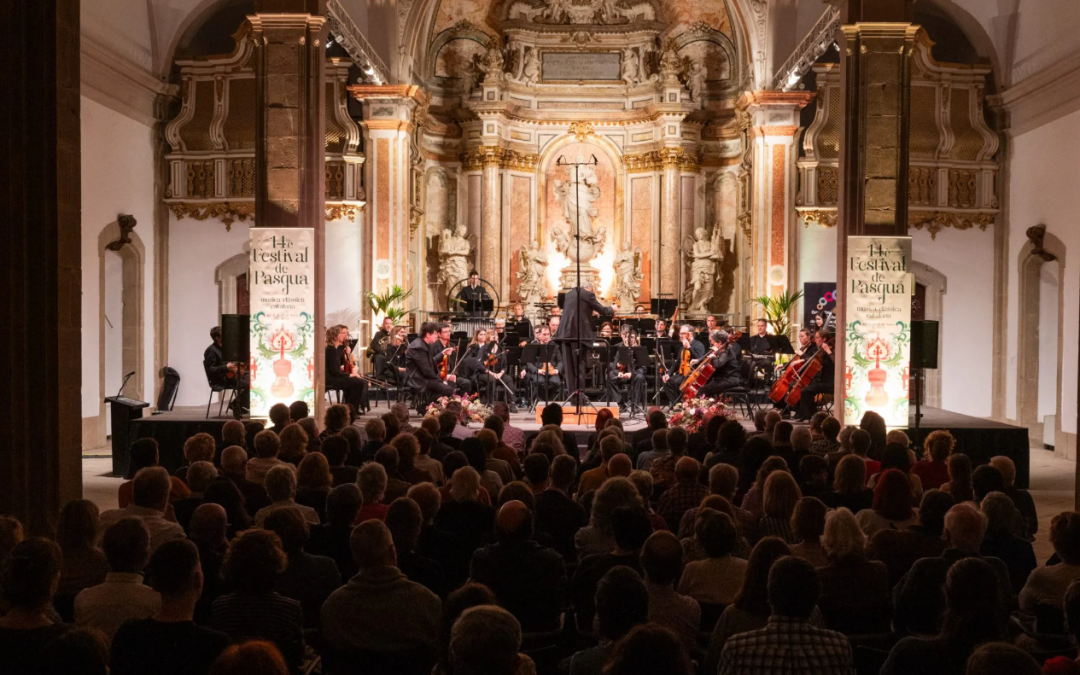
490, 253
290, 140
774, 128
40, 251
875, 69
670, 227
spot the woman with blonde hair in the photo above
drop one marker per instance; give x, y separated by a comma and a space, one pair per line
782, 494
849, 486
553, 437
313, 483
854, 590
752, 501
342, 374
294, 443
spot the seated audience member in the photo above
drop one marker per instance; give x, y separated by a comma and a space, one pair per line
529, 580
308, 579
28, 578
661, 559
489, 440
861, 446
198, 448
729, 442
789, 641
899, 549
295, 443
781, 439
396, 486
254, 610
684, 495
448, 425
987, 479
827, 443
424, 461
335, 418
280, 484
503, 450
597, 536
649, 649
854, 590
463, 514
405, 520
1066, 665
537, 472
723, 482
643, 481
621, 602
296, 450
897, 456
801, 440
808, 525
372, 482
972, 616
169, 642
999, 658
717, 579
1047, 585
331, 539
279, 417
891, 508
468, 596
401, 412
233, 432
662, 469
336, 448
84, 564
234, 465
80, 651
814, 475
407, 446
375, 430
750, 610
445, 548
594, 478
473, 449
199, 476
379, 610
487, 640
224, 493
144, 454
556, 513
631, 529
1021, 498
658, 447
439, 450
849, 485
122, 595
149, 499
755, 495
933, 469
778, 506
267, 446
209, 533
298, 410
959, 485
355, 435
1002, 544
920, 589
248, 658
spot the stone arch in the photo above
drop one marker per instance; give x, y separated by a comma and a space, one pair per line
1033, 256
937, 284
133, 260
225, 275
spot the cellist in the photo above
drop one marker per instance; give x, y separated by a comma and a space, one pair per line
725, 365
822, 382
691, 351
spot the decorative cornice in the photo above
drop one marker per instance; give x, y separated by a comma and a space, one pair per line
643, 162
118, 84
1043, 97
764, 98
230, 212
492, 156
343, 211
786, 130
520, 161
413, 92
581, 130
935, 220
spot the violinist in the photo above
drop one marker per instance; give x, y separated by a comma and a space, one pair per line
393, 369
725, 363
823, 381
425, 377
492, 364
225, 374
544, 378
342, 371
620, 376
690, 351
606, 330
446, 359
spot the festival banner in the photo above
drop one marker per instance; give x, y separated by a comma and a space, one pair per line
281, 276
877, 329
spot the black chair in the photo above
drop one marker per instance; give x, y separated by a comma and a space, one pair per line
868, 661
710, 615
220, 389
170, 387
741, 394
335, 390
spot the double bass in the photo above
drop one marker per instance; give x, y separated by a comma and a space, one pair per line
701, 374
799, 373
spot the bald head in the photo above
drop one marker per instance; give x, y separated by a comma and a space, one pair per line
620, 465
513, 522
209, 524
233, 433
234, 459
687, 470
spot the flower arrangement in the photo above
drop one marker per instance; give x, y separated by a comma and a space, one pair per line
691, 415
472, 410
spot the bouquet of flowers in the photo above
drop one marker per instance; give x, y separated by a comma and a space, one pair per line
472, 410
691, 414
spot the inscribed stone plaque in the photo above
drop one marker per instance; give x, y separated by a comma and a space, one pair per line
580, 66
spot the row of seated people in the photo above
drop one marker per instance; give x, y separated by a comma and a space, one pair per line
368, 544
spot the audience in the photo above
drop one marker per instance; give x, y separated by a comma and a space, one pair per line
267, 447
808, 525
899, 549
999, 542
959, 485
649, 649
122, 595
849, 485
661, 559
336, 450
404, 519
84, 564
28, 579
854, 590
234, 461
424, 461
1047, 585
149, 500
396, 486
622, 602
597, 536
463, 514
308, 579
331, 539
891, 508
1021, 498
556, 513
485, 641
999, 658
933, 469
248, 658
280, 483
313, 483
144, 454
631, 528
717, 579
592, 479
372, 481
684, 495
781, 494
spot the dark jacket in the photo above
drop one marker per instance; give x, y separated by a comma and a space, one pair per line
529, 581
418, 357
581, 305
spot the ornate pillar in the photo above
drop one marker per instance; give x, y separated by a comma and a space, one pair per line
773, 129
670, 226
489, 256
388, 122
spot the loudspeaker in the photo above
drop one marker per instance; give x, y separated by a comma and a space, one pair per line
924, 344
234, 337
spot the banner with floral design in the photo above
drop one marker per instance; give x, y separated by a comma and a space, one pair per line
877, 329
281, 276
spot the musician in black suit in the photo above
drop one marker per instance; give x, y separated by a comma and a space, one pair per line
522, 325
620, 375
576, 322
691, 351
823, 381
424, 376
341, 373
491, 365
393, 369
377, 349
725, 362
761, 344
472, 295
441, 351
548, 385
223, 374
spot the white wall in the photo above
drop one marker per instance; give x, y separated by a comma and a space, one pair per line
1049, 292
196, 248
344, 250
117, 178
1045, 188
114, 321
817, 254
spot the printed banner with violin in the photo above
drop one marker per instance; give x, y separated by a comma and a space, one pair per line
877, 329
281, 276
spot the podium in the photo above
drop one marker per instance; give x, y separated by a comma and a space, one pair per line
124, 410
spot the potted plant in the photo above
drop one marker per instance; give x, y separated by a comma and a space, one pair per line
778, 308
387, 303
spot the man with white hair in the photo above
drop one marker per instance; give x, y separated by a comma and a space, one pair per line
150, 498
234, 465
576, 322
921, 589
280, 484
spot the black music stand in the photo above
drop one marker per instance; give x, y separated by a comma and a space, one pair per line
663, 307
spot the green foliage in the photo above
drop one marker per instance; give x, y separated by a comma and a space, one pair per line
778, 308
388, 303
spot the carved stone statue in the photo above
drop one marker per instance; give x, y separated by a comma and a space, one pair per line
578, 198
628, 276
695, 82
669, 66
532, 272
630, 69
493, 63
705, 254
454, 251
582, 12
530, 67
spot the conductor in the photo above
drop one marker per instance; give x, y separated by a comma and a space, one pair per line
578, 307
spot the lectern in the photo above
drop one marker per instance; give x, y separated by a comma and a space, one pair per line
124, 410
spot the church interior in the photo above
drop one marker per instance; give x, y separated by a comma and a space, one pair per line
685, 161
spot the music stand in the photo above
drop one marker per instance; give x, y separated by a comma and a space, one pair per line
663, 307
665, 347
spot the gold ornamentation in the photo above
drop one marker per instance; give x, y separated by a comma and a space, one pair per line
200, 179
228, 212
342, 211
521, 161
334, 187
671, 158
820, 217
490, 156
935, 220
580, 130
643, 162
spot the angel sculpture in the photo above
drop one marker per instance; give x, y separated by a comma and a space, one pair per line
628, 275
705, 254
695, 81
533, 269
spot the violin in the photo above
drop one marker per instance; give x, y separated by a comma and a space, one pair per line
684, 366
799, 373
492, 359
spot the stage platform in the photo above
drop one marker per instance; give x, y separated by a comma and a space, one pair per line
976, 437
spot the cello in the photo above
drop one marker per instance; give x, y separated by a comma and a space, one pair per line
701, 374
798, 374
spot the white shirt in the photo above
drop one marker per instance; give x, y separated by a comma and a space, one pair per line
161, 530
120, 598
